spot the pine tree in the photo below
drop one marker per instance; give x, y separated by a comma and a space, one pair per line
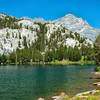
16, 36
5, 41
19, 44
11, 44
12, 57
13, 35
3, 59
24, 42
97, 49
7, 35
19, 35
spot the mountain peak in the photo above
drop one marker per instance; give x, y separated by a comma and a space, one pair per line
41, 20
26, 18
76, 24
69, 15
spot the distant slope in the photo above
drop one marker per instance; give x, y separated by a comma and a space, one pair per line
78, 25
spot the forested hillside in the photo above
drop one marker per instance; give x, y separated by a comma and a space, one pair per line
23, 41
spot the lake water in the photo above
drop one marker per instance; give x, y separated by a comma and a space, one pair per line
29, 82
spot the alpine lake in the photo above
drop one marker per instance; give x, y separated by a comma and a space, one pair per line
29, 82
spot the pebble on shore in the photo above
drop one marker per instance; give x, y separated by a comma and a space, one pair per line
40, 99
62, 95
97, 73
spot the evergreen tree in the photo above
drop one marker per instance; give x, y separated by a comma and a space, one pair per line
5, 41
7, 35
13, 35
19, 44
16, 36
12, 57
19, 35
97, 49
24, 42
11, 44
3, 59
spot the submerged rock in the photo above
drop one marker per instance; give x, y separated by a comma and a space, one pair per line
94, 78
97, 84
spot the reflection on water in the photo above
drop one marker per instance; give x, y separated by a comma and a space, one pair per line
30, 82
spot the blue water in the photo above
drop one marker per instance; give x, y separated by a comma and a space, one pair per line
28, 82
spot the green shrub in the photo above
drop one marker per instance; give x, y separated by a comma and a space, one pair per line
97, 69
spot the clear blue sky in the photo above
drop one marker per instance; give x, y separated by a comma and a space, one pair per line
89, 10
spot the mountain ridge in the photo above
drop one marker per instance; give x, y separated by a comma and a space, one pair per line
24, 32
78, 25
74, 24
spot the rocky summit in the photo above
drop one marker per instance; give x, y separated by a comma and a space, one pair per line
78, 25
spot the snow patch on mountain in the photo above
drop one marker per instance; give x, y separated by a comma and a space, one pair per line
71, 42
2, 16
10, 43
28, 23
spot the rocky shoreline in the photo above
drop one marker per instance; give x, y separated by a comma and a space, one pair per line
82, 95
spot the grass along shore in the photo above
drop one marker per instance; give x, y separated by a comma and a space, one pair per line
85, 96
67, 62
56, 62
